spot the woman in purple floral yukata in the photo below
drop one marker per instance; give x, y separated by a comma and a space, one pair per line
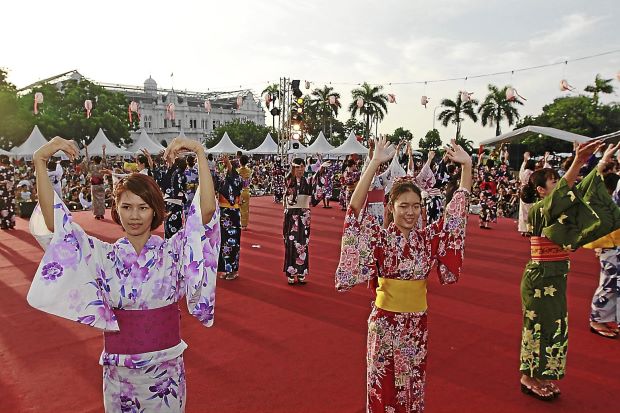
131, 288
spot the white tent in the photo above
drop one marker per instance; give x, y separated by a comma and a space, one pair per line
302, 150
350, 146
144, 141
535, 130
225, 145
94, 148
34, 142
3, 152
268, 147
320, 145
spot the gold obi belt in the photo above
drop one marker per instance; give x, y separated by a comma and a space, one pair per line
225, 204
610, 240
401, 296
542, 249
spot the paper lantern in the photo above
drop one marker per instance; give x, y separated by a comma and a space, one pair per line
268, 100
424, 100
133, 107
564, 86
391, 98
512, 94
360, 102
466, 96
170, 111
332, 100
88, 105
618, 75
239, 102
38, 99
208, 106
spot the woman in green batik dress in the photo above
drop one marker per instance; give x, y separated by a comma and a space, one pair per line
565, 218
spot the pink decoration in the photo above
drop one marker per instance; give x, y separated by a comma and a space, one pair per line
564, 86
332, 100
268, 100
466, 96
391, 98
618, 75
88, 105
208, 106
360, 102
307, 84
170, 111
239, 102
38, 99
133, 107
512, 94
424, 100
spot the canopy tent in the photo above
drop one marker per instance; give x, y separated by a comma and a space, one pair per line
535, 130
302, 150
268, 147
225, 145
613, 137
350, 146
320, 145
144, 141
34, 142
94, 148
3, 152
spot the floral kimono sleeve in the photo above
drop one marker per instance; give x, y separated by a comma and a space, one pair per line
73, 276
197, 247
426, 178
447, 238
361, 239
317, 193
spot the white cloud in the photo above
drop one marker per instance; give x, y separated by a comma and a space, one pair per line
571, 27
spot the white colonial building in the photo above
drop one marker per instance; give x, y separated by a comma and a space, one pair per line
190, 115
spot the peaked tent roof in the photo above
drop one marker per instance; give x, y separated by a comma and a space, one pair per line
535, 130
144, 141
268, 147
3, 152
350, 146
225, 145
302, 150
34, 142
320, 145
94, 148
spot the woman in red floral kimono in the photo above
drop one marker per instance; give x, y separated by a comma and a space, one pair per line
397, 261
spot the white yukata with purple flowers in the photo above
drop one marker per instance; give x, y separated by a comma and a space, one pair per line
84, 279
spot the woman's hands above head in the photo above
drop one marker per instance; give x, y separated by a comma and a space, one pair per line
180, 145
585, 150
46, 151
457, 154
384, 150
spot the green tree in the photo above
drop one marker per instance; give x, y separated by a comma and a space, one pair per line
466, 144
15, 120
324, 109
600, 86
246, 135
374, 108
355, 126
273, 91
496, 108
456, 110
399, 134
431, 141
62, 112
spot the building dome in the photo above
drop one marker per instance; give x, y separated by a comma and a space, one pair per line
150, 85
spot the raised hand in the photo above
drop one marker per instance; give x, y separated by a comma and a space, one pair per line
384, 150
609, 152
526, 156
431, 155
585, 150
56, 144
179, 145
457, 154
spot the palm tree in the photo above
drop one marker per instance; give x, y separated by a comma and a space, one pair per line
497, 108
455, 110
326, 110
600, 86
466, 144
375, 104
273, 91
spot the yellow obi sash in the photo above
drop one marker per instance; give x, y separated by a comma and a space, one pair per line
401, 296
225, 204
542, 249
608, 241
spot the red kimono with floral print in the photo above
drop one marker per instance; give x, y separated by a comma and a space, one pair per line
396, 353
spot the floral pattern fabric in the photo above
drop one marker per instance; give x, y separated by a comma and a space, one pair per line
84, 279
396, 353
7, 197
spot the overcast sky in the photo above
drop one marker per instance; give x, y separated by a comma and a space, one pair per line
226, 44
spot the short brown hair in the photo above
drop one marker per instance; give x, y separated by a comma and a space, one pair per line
146, 188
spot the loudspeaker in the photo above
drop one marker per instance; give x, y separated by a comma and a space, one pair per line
295, 145
515, 155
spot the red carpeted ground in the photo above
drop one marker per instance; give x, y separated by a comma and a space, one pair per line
276, 348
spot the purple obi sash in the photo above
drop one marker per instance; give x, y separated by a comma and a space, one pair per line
143, 331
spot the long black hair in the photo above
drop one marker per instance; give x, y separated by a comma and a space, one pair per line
529, 194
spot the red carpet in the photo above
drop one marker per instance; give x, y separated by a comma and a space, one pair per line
276, 348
